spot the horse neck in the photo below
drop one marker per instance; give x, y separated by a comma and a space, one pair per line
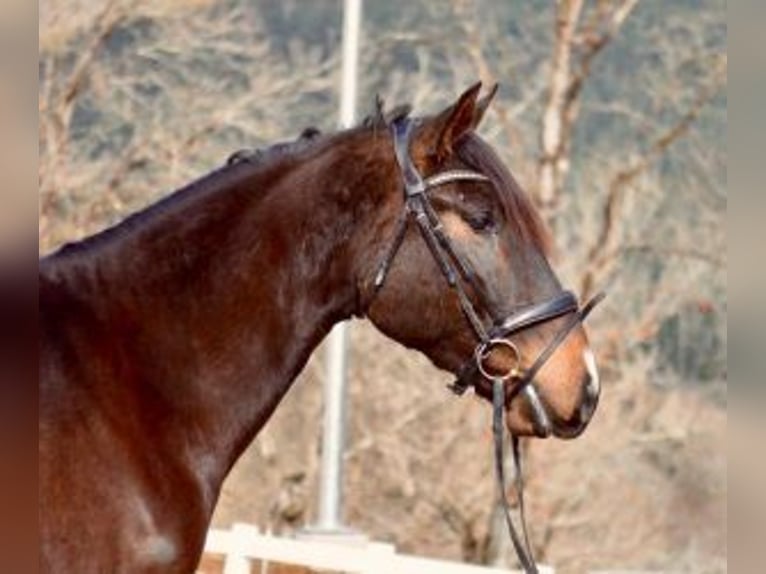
216, 306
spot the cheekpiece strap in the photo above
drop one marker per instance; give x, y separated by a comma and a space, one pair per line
413, 182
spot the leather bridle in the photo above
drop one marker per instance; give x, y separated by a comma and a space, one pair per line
457, 271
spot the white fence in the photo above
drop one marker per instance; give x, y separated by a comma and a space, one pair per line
243, 545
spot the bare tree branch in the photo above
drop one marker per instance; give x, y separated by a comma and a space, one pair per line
606, 239
565, 87
552, 130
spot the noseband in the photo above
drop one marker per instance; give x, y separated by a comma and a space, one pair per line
456, 270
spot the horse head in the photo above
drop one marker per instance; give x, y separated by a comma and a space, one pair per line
460, 272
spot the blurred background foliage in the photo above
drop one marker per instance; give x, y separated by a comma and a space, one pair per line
612, 114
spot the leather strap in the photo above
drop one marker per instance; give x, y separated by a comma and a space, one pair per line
499, 401
576, 319
563, 303
419, 208
522, 547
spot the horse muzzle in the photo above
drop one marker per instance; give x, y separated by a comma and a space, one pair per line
531, 413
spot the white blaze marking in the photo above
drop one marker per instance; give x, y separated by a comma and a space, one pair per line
594, 385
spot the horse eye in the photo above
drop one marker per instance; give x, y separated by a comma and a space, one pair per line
482, 222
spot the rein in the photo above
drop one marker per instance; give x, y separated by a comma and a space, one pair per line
524, 551
457, 270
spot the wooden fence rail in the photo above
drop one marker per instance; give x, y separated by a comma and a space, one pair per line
243, 545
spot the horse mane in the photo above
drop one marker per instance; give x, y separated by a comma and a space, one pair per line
472, 150
239, 167
382, 119
257, 155
379, 118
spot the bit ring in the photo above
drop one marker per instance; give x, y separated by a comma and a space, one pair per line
483, 352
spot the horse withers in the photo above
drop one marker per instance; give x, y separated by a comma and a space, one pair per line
167, 341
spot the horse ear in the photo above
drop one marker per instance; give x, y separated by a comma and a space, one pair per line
482, 105
453, 123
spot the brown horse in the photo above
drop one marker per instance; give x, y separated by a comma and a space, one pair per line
168, 340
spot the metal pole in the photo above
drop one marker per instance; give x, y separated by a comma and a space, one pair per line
352, 17
333, 438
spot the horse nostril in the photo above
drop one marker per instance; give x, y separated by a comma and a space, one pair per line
590, 392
